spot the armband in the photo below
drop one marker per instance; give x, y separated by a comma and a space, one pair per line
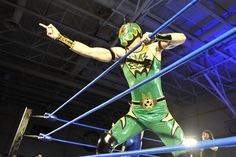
66, 41
162, 37
113, 56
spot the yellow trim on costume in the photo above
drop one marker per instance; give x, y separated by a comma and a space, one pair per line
175, 127
123, 122
141, 56
131, 114
167, 118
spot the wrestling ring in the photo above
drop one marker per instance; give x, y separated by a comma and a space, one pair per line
222, 142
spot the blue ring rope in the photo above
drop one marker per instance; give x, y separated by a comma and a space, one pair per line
158, 74
49, 138
222, 142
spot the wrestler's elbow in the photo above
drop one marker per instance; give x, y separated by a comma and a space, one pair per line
181, 39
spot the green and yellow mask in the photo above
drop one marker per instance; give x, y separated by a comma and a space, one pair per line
128, 33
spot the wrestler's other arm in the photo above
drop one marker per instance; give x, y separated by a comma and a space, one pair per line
165, 41
98, 53
171, 40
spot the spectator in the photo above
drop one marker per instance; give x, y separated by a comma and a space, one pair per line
209, 152
39, 155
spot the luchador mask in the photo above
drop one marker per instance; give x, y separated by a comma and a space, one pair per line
128, 33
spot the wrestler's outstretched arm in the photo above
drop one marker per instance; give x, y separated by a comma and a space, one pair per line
98, 53
165, 41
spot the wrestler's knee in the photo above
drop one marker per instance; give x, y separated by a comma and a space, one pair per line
106, 143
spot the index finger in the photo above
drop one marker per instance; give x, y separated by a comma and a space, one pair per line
43, 25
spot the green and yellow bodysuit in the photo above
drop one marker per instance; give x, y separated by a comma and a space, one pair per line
148, 109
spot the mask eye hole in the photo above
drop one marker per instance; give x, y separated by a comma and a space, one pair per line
123, 31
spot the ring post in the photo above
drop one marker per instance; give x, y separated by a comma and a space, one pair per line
20, 133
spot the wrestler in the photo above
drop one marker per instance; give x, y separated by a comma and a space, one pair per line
148, 107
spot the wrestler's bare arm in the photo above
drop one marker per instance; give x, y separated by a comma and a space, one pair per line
176, 39
98, 53
165, 41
